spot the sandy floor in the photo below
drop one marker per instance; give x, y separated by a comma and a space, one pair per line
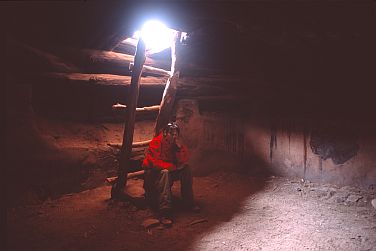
238, 213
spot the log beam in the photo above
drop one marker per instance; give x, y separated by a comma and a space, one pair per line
119, 63
141, 143
134, 144
95, 79
169, 93
126, 149
112, 180
138, 109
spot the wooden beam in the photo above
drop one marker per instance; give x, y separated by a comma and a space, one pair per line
112, 180
95, 79
153, 71
141, 109
169, 93
134, 144
126, 149
141, 143
116, 63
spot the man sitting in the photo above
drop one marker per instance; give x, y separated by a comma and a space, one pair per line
165, 162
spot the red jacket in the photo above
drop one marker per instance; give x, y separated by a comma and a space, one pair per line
163, 155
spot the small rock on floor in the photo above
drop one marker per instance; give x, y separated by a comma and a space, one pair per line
373, 202
151, 222
198, 221
354, 198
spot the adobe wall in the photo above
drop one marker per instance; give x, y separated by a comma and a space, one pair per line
326, 152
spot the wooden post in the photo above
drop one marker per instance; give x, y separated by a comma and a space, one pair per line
126, 148
170, 90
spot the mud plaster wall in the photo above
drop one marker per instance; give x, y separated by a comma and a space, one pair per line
288, 148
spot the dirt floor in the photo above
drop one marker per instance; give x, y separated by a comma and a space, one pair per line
239, 212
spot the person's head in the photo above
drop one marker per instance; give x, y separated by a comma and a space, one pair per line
171, 131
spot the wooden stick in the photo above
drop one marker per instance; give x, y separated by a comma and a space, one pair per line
141, 109
116, 63
126, 148
134, 144
135, 174
141, 143
129, 176
156, 71
95, 79
169, 93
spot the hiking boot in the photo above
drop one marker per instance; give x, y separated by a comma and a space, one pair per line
166, 217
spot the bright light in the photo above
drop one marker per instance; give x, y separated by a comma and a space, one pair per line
156, 35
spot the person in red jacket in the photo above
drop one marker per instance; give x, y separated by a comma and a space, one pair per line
165, 162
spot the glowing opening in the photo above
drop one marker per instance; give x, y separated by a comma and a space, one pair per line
157, 36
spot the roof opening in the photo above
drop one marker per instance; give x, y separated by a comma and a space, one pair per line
156, 34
